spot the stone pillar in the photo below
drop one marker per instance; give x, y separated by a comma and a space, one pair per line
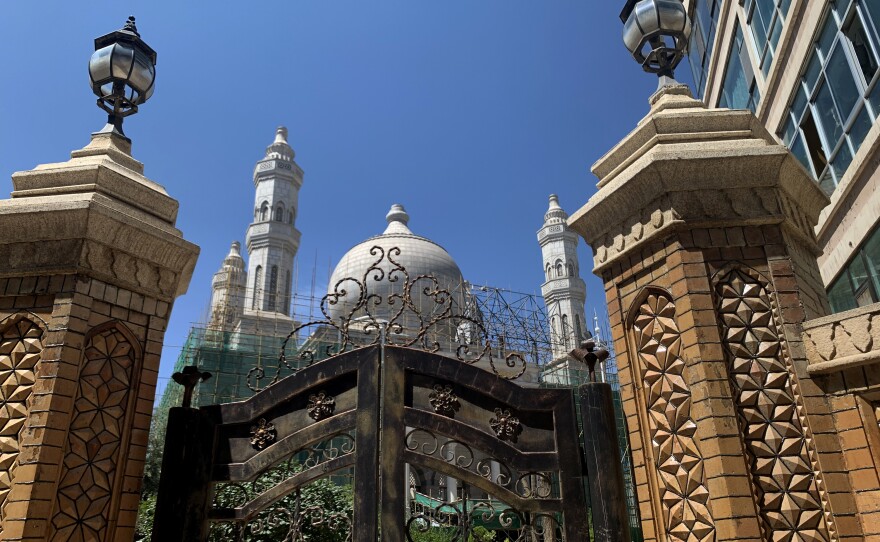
702, 231
91, 264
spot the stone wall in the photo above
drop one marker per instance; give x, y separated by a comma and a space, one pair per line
844, 361
84, 357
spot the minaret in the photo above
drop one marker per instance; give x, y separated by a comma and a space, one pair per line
564, 291
272, 239
228, 290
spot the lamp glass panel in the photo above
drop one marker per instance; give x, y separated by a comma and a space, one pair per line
122, 59
142, 74
99, 64
672, 15
646, 14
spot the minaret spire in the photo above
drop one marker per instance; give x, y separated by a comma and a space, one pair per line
565, 293
272, 238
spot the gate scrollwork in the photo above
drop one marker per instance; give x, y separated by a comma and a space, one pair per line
420, 312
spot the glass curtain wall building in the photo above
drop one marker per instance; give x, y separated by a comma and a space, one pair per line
808, 69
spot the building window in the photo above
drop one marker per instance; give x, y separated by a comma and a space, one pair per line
279, 213
258, 279
702, 37
285, 307
765, 19
834, 103
566, 331
290, 217
739, 89
859, 282
559, 268
264, 211
273, 288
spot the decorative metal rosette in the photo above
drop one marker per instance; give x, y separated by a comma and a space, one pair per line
506, 425
321, 406
262, 434
444, 401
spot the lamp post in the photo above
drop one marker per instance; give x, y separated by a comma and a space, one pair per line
122, 71
656, 32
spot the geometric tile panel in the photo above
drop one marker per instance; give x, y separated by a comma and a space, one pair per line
683, 493
20, 348
90, 460
776, 446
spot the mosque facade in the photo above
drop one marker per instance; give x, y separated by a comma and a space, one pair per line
252, 318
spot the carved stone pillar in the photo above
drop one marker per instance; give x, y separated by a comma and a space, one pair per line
91, 264
702, 231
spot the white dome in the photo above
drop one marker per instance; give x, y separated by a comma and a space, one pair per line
418, 256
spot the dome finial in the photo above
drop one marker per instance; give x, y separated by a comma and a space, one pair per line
397, 214
280, 148
554, 211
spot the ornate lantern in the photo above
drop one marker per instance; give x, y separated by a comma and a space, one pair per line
123, 72
656, 32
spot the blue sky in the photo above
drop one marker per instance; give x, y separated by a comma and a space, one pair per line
468, 112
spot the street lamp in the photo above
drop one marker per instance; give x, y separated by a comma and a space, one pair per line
656, 32
122, 72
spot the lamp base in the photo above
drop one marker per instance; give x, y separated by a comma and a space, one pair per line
113, 126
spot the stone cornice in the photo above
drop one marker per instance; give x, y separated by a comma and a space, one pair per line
96, 215
705, 168
94, 235
100, 167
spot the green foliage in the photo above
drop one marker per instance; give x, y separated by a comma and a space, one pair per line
434, 534
144, 525
326, 517
445, 534
481, 534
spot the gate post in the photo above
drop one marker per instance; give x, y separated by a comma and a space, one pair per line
185, 484
604, 471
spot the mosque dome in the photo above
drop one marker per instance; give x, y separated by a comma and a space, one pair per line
418, 256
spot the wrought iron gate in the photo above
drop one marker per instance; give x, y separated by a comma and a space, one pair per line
378, 412
432, 442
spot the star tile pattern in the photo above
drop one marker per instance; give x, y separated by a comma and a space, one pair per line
776, 446
94, 441
20, 346
684, 494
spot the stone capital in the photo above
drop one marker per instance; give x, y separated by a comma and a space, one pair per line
96, 215
686, 166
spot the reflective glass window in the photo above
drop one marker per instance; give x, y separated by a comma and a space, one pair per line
859, 281
765, 20
872, 259
739, 89
834, 106
702, 37
841, 295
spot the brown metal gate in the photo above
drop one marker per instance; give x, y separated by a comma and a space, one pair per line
432, 442
374, 412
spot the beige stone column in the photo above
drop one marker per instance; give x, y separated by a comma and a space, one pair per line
90, 264
702, 231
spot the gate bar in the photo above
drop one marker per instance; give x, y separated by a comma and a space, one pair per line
604, 471
185, 485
